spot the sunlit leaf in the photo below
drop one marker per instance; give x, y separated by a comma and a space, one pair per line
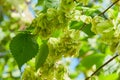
76, 24
113, 76
94, 59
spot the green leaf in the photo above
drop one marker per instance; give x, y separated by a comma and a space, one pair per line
42, 55
113, 76
40, 2
57, 33
90, 60
76, 24
23, 47
85, 48
87, 30
89, 11
73, 75
1, 14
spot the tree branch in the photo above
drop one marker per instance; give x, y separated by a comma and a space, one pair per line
108, 8
102, 13
102, 66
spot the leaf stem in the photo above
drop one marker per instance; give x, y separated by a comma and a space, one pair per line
102, 66
83, 26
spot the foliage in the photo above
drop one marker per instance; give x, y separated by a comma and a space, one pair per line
40, 58
40, 41
21, 46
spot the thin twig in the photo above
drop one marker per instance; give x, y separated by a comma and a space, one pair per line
102, 66
108, 8
112, 57
84, 25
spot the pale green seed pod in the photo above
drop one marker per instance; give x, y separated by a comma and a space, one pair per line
67, 5
85, 19
28, 74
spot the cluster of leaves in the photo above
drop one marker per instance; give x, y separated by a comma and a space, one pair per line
10, 23
67, 28
109, 31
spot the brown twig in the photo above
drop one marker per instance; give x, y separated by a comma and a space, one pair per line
112, 57
108, 8
84, 25
102, 66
